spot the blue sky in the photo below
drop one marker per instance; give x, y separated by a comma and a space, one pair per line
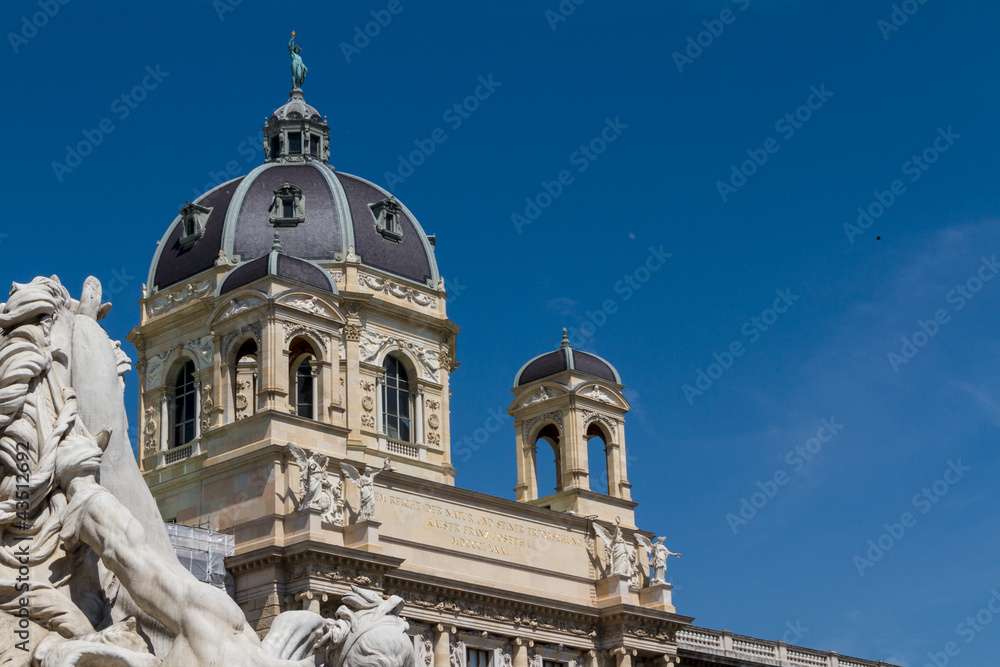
898, 119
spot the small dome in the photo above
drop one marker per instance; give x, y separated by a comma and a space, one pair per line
296, 108
566, 358
280, 265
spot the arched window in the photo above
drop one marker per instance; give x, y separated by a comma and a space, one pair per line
548, 468
396, 400
185, 405
302, 374
597, 459
245, 371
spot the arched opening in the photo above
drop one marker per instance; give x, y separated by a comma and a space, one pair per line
396, 400
597, 459
548, 469
185, 405
246, 371
303, 371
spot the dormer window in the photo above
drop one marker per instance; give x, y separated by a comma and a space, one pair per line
193, 219
387, 222
288, 208
295, 142
275, 147
314, 145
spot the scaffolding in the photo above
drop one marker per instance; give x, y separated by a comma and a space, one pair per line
203, 552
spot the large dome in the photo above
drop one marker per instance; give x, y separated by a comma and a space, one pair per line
334, 212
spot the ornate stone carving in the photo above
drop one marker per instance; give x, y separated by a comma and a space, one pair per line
202, 348
310, 305
352, 332
207, 405
590, 416
294, 329
425, 650
149, 429
338, 276
154, 366
541, 395
457, 656
366, 487
398, 291
616, 555
598, 394
372, 344
190, 292
238, 306
319, 491
252, 329
225, 260
548, 416
55, 425
657, 553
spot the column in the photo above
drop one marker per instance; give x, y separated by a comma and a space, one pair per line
352, 335
378, 404
164, 423
197, 409
442, 645
418, 432
520, 647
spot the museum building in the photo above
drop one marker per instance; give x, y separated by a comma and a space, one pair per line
294, 360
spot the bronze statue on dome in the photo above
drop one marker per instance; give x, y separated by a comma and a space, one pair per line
298, 67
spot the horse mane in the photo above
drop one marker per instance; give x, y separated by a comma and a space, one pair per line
37, 410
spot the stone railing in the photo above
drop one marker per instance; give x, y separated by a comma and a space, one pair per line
762, 652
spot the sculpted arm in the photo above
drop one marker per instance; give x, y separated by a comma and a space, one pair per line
164, 590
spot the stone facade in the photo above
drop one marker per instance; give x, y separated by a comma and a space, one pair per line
517, 583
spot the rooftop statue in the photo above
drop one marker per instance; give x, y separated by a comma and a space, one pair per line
72, 546
658, 555
615, 550
298, 67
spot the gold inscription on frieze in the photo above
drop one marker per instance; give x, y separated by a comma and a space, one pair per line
477, 531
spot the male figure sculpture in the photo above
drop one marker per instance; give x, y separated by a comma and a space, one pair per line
63, 533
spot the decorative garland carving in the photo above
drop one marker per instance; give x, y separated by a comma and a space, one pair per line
373, 343
292, 329
398, 291
495, 613
150, 441
207, 404
179, 297
368, 403
252, 329
590, 416
548, 416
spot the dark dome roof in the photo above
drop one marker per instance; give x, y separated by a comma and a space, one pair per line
337, 216
281, 265
565, 358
